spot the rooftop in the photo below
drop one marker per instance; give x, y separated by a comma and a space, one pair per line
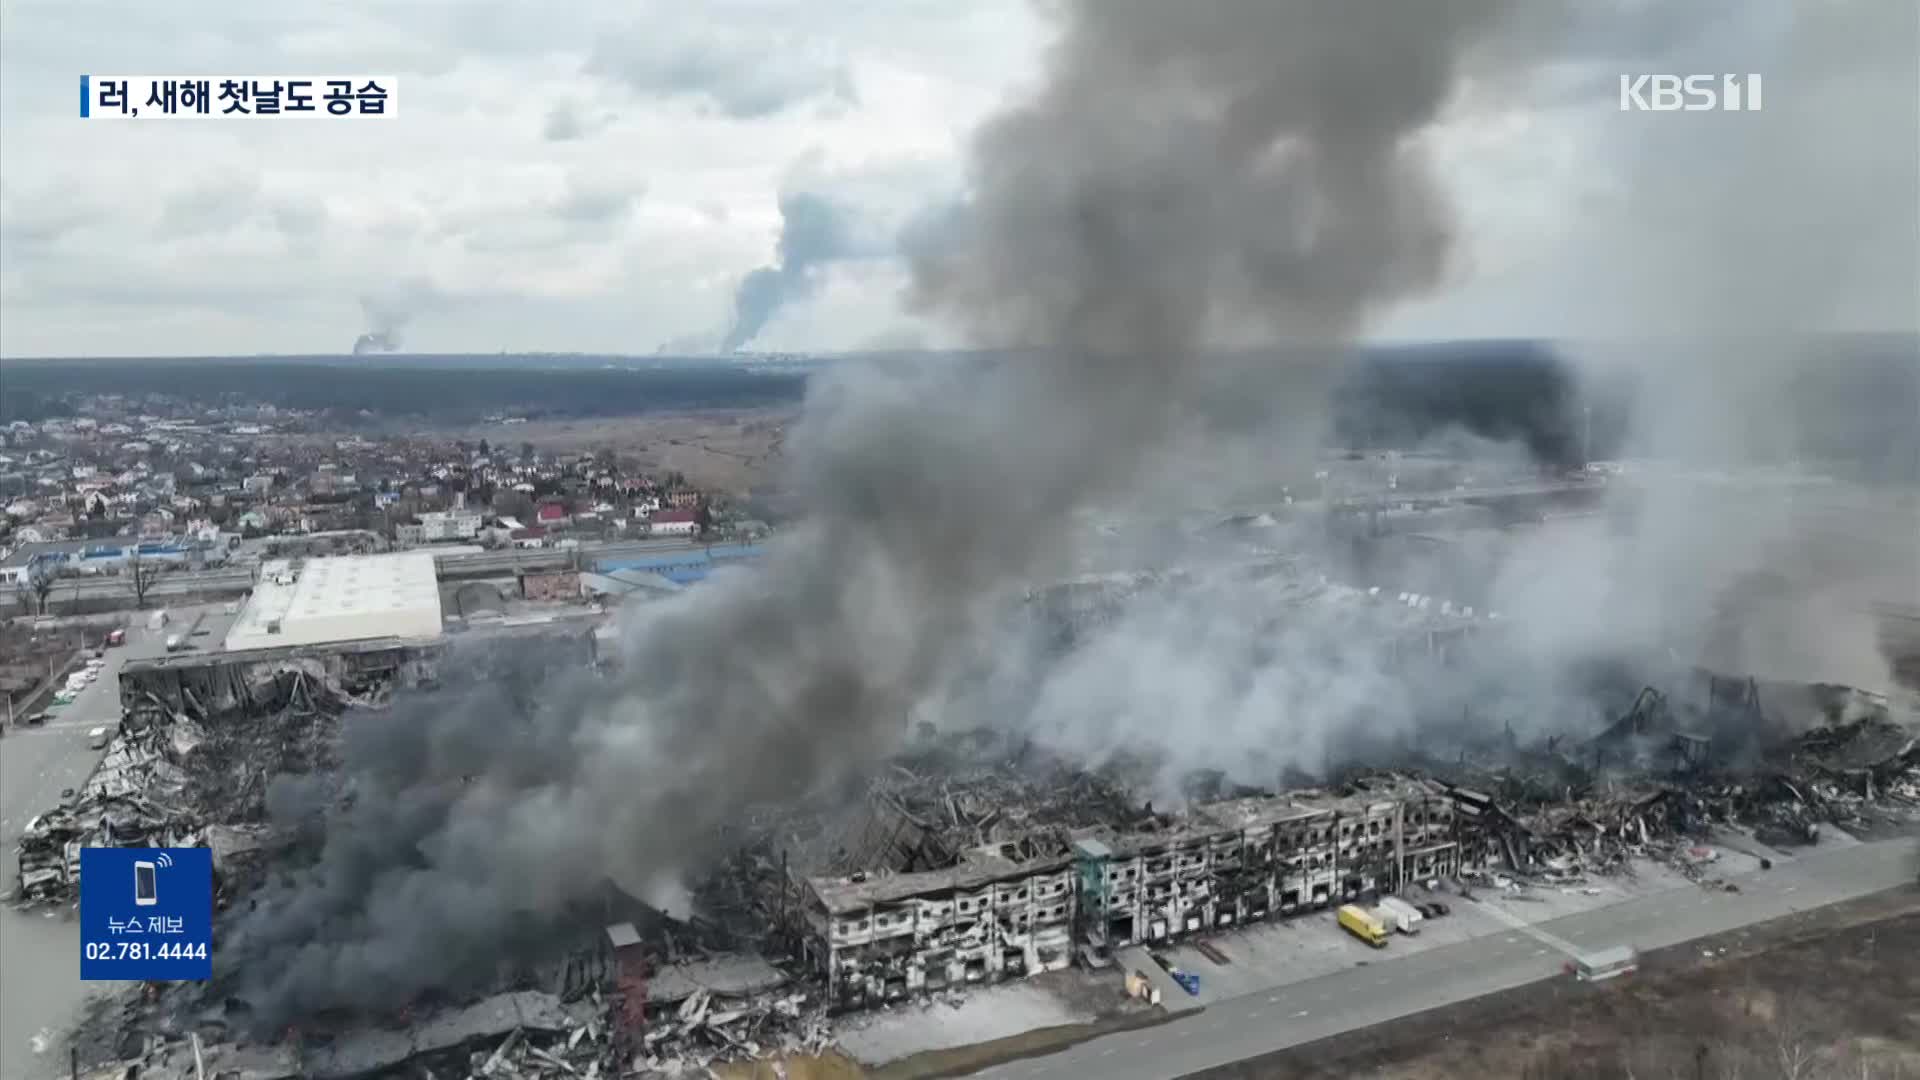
340, 598
994, 862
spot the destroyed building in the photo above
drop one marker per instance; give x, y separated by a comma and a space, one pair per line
1021, 907
973, 856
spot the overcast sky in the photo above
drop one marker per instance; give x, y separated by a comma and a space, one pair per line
600, 176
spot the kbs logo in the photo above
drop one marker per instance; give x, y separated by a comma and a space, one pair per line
1689, 93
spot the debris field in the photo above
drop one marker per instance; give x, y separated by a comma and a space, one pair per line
733, 979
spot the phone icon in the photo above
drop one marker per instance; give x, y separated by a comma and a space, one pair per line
146, 891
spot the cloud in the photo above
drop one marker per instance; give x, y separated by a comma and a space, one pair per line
570, 121
744, 73
217, 204
588, 213
715, 103
590, 204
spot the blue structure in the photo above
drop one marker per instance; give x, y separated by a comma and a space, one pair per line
683, 567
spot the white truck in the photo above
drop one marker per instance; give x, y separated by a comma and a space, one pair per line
1400, 915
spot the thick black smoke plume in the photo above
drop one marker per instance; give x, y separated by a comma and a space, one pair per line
1186, 170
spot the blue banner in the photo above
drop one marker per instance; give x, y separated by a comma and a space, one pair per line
146, 913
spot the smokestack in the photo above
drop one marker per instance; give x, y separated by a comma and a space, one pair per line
1183, 172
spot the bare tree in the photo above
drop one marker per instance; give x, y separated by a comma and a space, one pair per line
39, 582
140, 575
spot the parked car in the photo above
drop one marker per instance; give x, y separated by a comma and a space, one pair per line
117, 637
97, 738
34, 719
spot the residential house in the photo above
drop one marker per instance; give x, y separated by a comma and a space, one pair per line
677, 522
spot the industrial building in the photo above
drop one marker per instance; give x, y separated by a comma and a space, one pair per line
339, 599
682, 567
102, 556
1015, 909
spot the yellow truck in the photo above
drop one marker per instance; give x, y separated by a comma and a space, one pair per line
1364, 925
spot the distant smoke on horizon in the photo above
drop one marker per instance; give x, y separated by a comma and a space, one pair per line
375, 341
814, 232
388, 312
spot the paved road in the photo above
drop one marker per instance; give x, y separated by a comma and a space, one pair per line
40, 987
1382, 990
182, 583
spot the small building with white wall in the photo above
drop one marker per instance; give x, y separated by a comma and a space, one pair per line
438, 526
342, 598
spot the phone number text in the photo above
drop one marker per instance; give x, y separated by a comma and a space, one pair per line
146, 950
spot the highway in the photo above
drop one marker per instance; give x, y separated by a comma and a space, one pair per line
1387, 988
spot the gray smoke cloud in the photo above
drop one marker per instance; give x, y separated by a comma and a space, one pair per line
814, 231
1226, 169
388, 312
1736, 244
376, 341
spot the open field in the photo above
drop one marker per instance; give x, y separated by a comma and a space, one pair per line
1830, 992
726, 449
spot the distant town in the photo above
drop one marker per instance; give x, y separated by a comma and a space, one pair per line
130, 491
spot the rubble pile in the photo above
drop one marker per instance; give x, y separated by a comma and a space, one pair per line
706, 1030
168, 780
137, 798
680, 1029
1556, 820
1029, 801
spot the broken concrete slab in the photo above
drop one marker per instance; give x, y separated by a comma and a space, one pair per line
369, 1050
731, 975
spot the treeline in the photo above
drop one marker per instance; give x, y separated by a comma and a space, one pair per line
1855, 396
40, 390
